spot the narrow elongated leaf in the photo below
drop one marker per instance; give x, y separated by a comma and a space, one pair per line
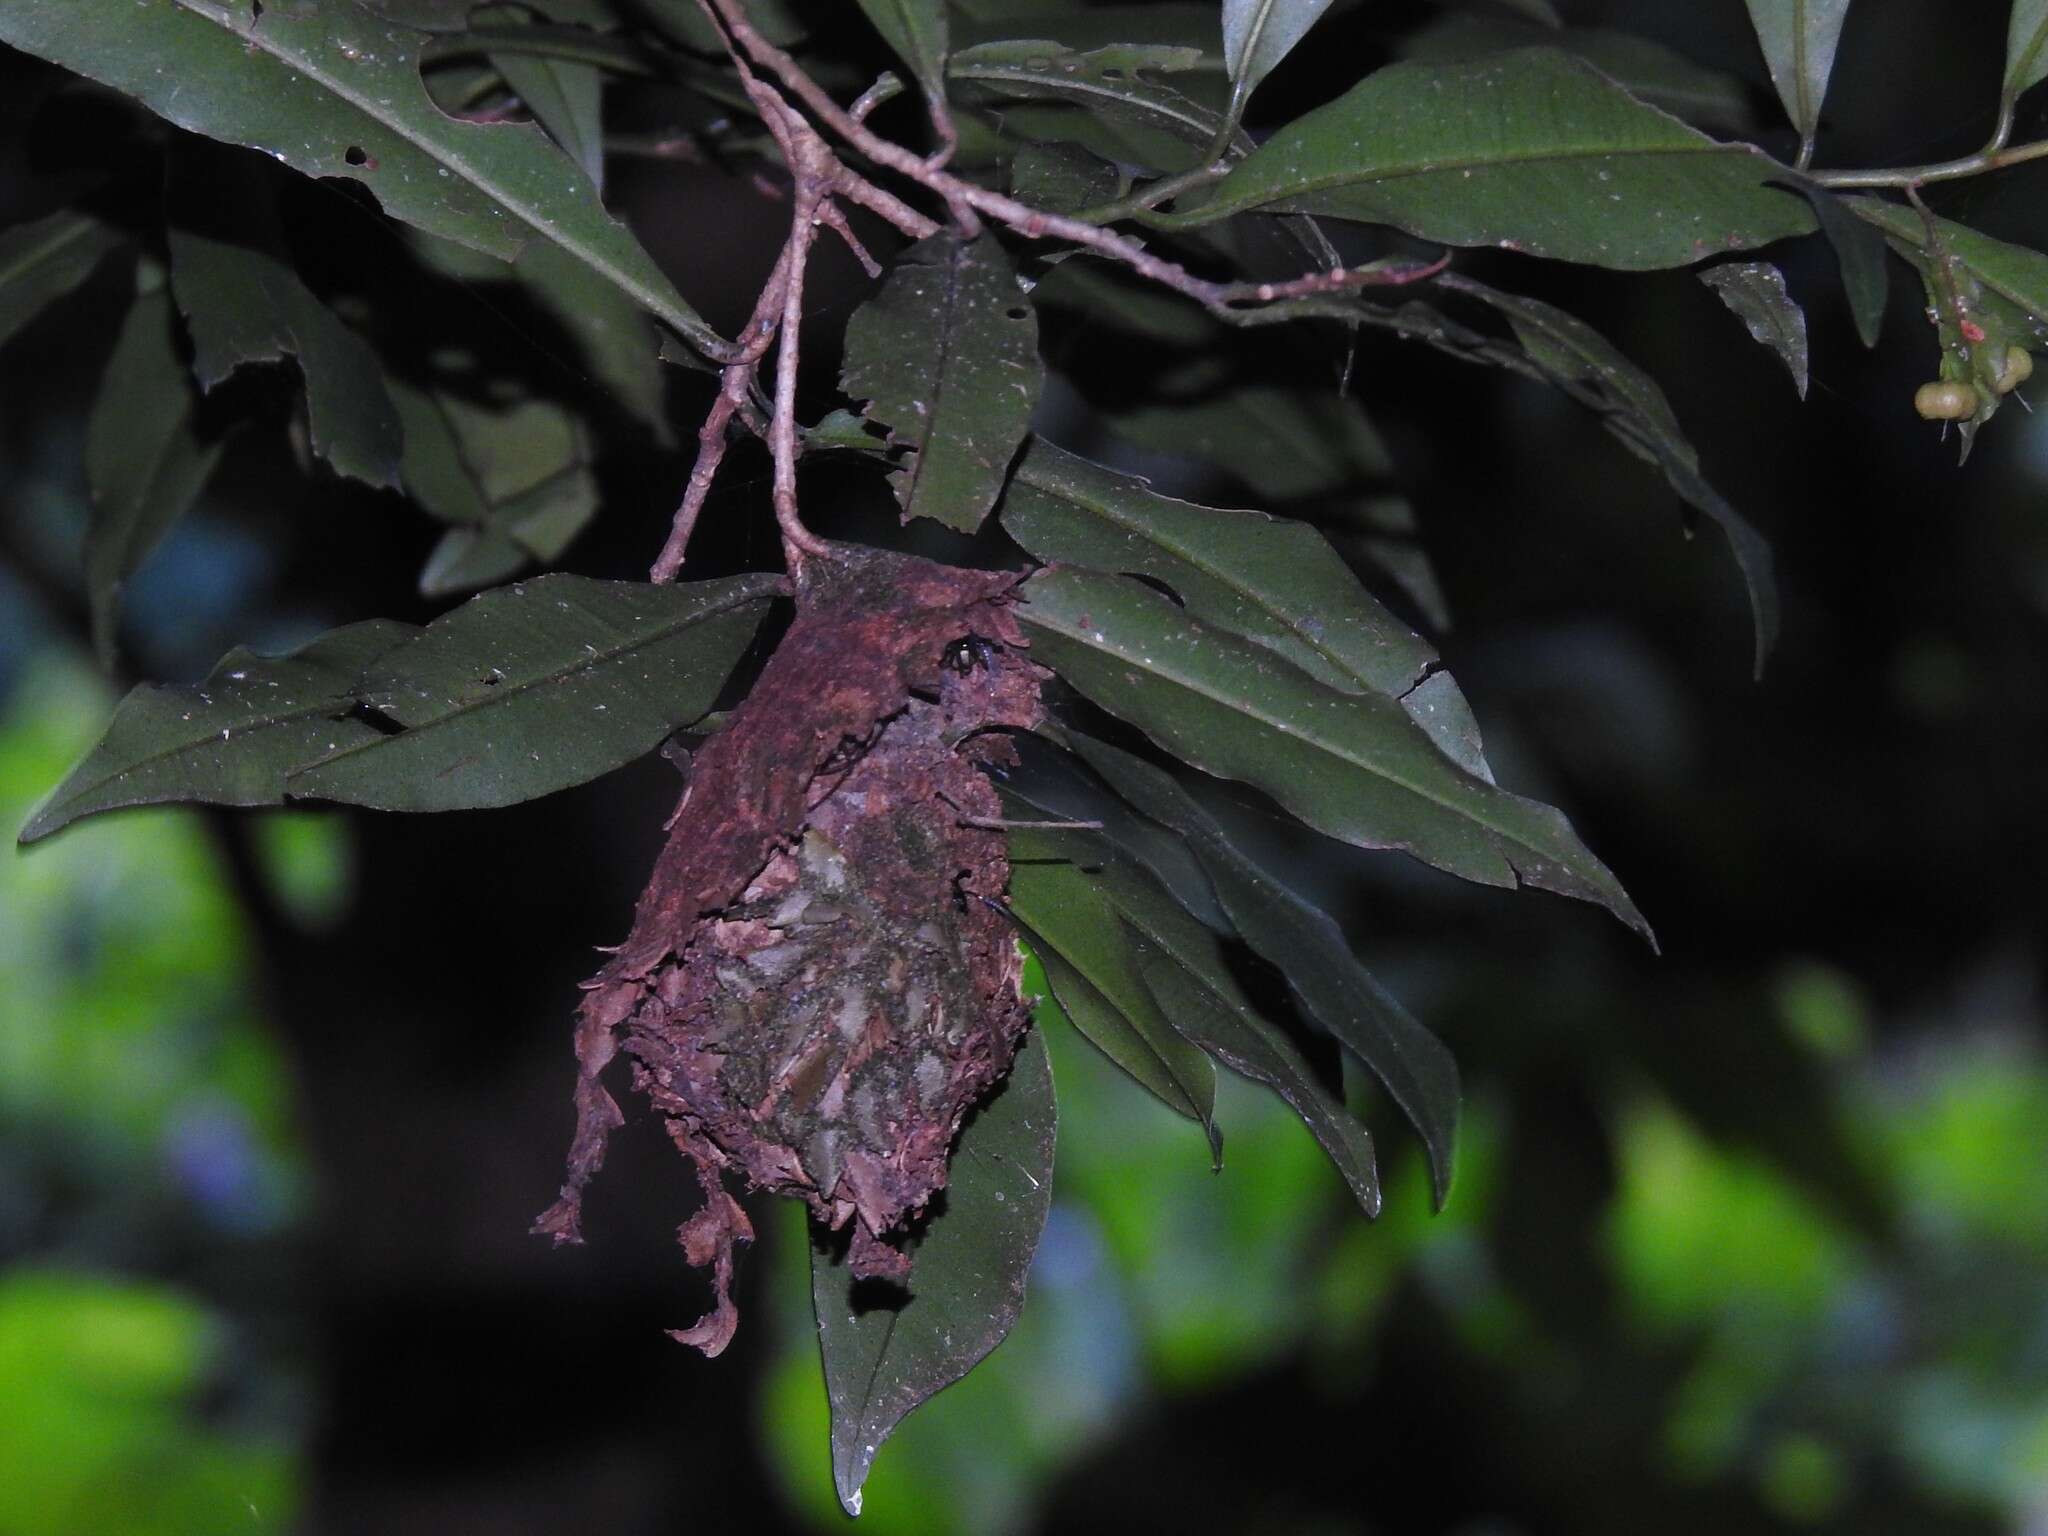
45, 259
245, 303
1755, 293
233, 739
1311, 952
1635, 411
1353, 765
536, 687
566, 97
335, 90
1799, 38
1095, 977
885, 1354
1275, 582
1859, 254
2026, 48
916, 29
1112, 90
946, 357
1185, 967
1258, 34
145, 458
1532, 151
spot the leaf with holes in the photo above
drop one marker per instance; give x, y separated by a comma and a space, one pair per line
335, 90
232, 740
886, 1352
537, 687
945, 357
1755, 293
45, 259
1353, 765
244, 302
146, 458
1532, 151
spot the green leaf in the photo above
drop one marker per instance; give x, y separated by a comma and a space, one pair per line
536, 687
566, 97
1353, 765
334, 90
1799, 39
884, 1354
946, 357
243, 302
1275, 582
1109, 90
145, 458
45, 259
1062, 178
1258, 34
1755, 292
1859, 254
916, 29
1632, 408
532, 528
1094, 977
1188, 971
1532, 151
1647, 70
1311, 952
2014, 278
2026, 48
685, 21
233, 739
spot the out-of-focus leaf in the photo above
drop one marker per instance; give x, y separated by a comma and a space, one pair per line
536, 687
145, 458
2014, 278
617, 344
514, 482
1647, 70
1799, 39
1532, 151
566, 97
2026, 48
1635, 411
1188, 25
335, 90
1095, 977
232, 740
1311, 952
1258, 34
684, 20
885, 1354
1185, 967
946, 357
45, 259
1755, 291
1063, 178
1859, 254
1108, 87
1273, 581
1353, 765
244, 302
916, 29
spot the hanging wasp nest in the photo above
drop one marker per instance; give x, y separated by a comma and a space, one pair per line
820, 982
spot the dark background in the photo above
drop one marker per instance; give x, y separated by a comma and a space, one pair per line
1816, 1078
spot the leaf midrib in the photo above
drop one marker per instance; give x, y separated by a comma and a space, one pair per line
1199, 123
259, 37
1294, 732
62, 234
507, 693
